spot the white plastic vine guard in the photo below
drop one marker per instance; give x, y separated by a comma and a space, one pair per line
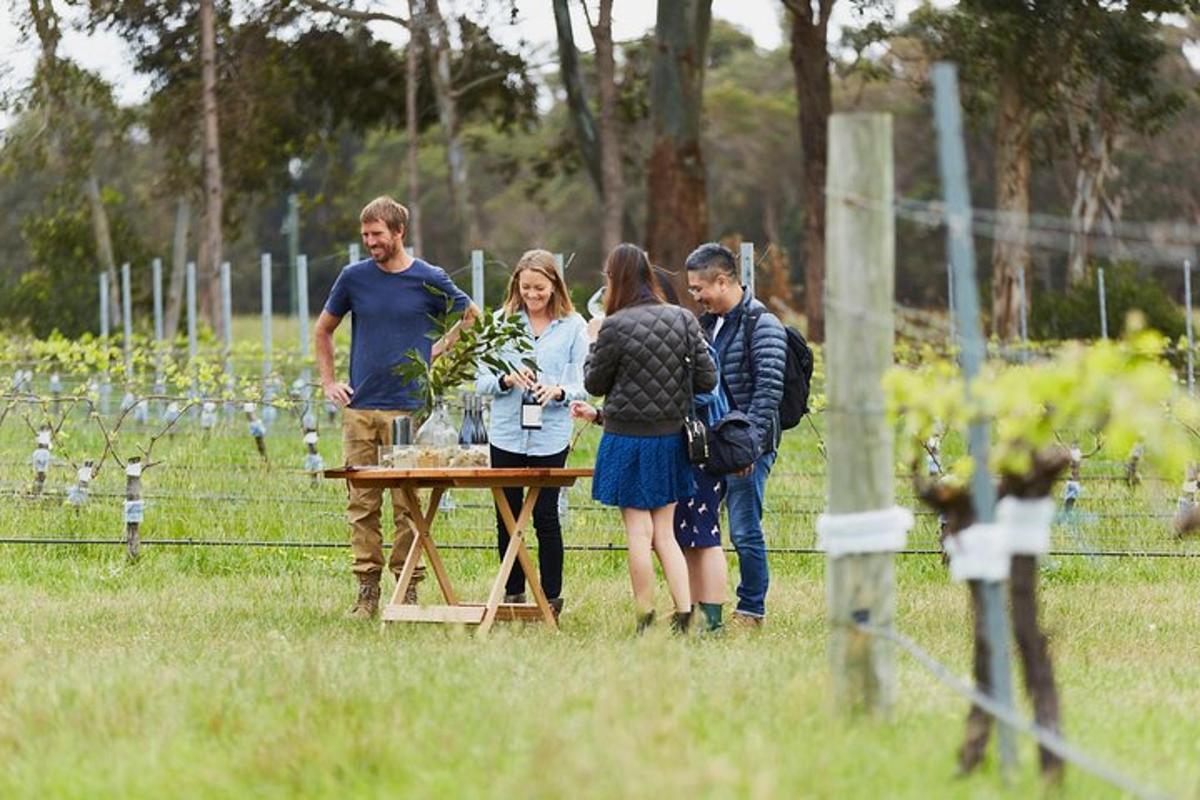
248, 408
84, 474
135, 510
1026, 524
979, 553
43, 438
310, 437
882, 531
133, 469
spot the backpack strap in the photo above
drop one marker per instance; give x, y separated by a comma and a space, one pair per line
749, 323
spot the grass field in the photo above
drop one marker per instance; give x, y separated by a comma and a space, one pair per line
232, 672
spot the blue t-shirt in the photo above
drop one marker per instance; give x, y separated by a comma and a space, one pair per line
392, 312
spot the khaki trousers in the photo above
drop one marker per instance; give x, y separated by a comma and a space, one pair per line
364, 431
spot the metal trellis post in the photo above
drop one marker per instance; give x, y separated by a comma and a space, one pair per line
1103, 303
477, 277
952, 160
747, 259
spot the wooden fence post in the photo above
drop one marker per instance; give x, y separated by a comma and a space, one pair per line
859, 292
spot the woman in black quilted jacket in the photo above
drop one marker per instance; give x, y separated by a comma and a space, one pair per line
639, 364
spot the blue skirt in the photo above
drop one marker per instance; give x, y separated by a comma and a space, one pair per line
641, 471
698, 519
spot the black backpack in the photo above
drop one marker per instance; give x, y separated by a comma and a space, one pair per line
797, 372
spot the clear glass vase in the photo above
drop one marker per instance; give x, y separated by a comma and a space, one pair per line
437, 438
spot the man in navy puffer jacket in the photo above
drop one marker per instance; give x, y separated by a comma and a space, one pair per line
754, 381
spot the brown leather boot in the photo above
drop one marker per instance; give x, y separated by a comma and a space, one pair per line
367, 605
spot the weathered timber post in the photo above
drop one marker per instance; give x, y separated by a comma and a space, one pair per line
134, 507
862, 528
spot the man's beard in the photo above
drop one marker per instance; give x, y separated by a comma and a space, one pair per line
388, 251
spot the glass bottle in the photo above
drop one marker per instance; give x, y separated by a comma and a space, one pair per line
531, 411
466, 431
481, 434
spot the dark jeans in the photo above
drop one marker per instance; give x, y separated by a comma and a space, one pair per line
744, 499
545, 522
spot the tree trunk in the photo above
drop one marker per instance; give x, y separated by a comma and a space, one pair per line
413, 235
1010, 249
677, 218
979, 722
210, 268
183, 213
610, 143
778, 284
814, 101
438, 41
1093, 146
1035, 657
582, 120
104, 246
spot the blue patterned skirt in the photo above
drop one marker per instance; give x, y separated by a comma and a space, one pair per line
641, 471
698, 518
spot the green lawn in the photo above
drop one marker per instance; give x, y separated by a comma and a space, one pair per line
232, 672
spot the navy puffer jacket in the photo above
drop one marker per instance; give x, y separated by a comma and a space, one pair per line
754, 379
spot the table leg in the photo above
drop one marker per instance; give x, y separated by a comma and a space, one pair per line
516, 551
431, 552
422, 541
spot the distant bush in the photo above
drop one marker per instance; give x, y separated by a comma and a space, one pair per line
60, 291
1075, 313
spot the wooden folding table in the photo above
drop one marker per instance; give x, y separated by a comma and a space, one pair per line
438, 480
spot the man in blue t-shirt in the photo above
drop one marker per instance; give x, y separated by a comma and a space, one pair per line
392, 311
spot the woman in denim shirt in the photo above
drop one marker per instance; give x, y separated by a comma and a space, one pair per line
538, 295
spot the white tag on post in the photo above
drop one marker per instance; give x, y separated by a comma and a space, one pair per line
135, 510
883, 531
133, 469
310, 437
43, 438
1026, 524
979, 553
248, 408
84, 474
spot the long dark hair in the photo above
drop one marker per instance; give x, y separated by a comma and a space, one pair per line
630, 278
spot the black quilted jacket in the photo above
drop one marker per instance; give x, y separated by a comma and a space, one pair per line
637, 364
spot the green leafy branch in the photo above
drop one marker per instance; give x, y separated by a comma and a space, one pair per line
1124, 393
490, 341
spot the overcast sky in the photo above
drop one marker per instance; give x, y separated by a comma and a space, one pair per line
106, 53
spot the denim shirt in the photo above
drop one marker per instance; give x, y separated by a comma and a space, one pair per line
563, 343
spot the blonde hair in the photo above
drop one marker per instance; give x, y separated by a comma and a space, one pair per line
386, 210
543, 263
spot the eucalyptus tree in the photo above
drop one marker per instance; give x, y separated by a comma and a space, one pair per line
677, 218
1024, 63
71, 122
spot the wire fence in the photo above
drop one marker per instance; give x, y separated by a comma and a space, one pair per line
1048, 739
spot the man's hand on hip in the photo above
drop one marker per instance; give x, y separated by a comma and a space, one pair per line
338, 393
